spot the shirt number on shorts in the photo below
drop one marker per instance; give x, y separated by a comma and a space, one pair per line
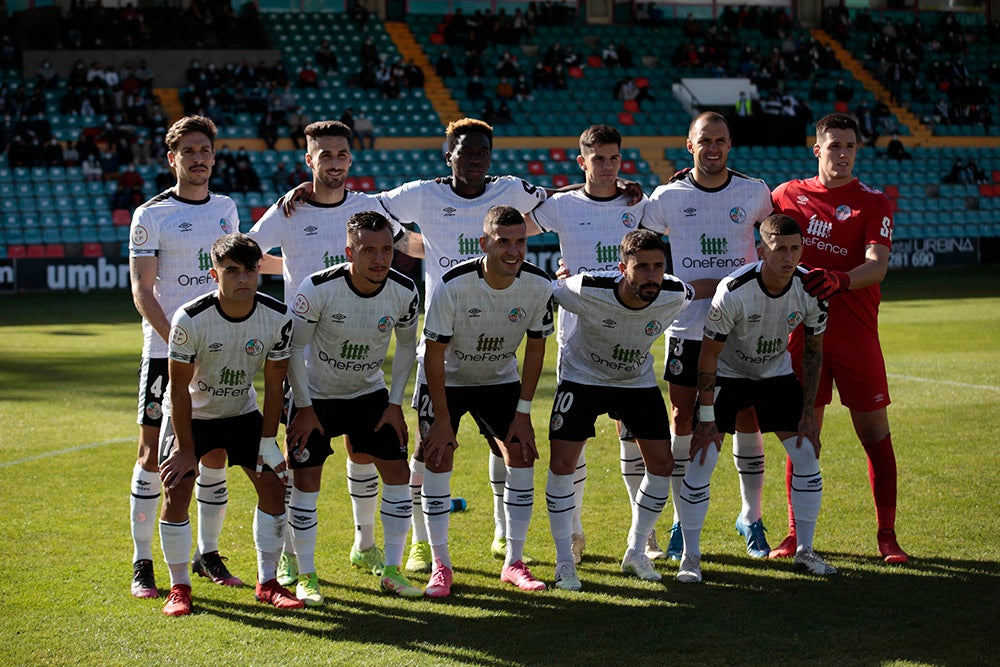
426, 409
563, 402
156, 387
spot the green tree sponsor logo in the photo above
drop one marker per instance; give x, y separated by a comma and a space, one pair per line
204, 260
468, 246
618, 353
489, 343
769, 345
354, 352
714, 245
231, 378
332, 260
606, 254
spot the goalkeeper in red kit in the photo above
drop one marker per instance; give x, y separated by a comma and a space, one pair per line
847, 235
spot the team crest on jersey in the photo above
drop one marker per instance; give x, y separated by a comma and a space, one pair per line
225, 226
556, 422
516, 315
179, 336
653, 328
300, 305
737, 215
794, 318
385, 324
302, 455
628, 220
254, 347
714, 314
843, 212
676, 367
154, 410
215, 347
139, 235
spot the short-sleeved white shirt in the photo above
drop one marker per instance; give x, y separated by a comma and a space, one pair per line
755, 324
450, 223
179, 233
349, 332
482, 326
227, 353
610, 343
711, 233
314, 237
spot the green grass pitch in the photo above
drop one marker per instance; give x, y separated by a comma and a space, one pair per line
67, 445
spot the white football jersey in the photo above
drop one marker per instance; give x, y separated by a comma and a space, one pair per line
590, 234
483, 327
450, 223
610, 343
711, 233
179, 233
755, 325
314, 237
346, 333
227, 353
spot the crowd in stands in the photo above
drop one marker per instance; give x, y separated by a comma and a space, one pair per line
905, 56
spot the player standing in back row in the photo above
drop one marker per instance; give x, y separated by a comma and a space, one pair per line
847, 231
709, 212
169, 263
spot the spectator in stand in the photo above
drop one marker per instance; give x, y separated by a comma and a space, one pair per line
895, 150
624, 55
52, 154
267, 129
522, 90
347, 118
47, 77
91, 167
308, 76
507, 66
298, 175
297, 122
279, 177
503, 115
326, 58
246, 177
505, 89
142, 152
364, 128
369, 52
444, 66
609, 56
474, 89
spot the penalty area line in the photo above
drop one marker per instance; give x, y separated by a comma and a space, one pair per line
948, 382
59, 452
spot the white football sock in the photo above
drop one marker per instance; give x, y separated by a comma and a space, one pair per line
143, 501
560, 499
654, 491
436, 496
362, 484
519, 498
498, 475
632, 466
680, 448
268, 536
175, 540
694, 498
807, 489
417, 470
289, 547
397, 510
579, 484
748, 456
303, 524
212, 494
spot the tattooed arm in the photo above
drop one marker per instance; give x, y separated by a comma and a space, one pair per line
812, 362
706, 432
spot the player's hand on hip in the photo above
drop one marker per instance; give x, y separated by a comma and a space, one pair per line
705, 435
270, 455
823, 284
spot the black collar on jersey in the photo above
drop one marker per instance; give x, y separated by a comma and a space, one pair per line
729, 178
350, 283
222, 313
193, 202
450, 182
313, 202
763, 287
618, 297
599, 199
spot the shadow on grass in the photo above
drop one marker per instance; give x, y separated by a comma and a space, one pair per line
935, 611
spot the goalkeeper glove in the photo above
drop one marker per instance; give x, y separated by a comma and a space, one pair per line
823, 284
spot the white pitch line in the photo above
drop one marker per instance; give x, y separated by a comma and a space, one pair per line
937, 381
63, 451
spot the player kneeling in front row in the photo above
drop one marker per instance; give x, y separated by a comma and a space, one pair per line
344, 319
744, 365
218, 342
476, 320
605, 365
